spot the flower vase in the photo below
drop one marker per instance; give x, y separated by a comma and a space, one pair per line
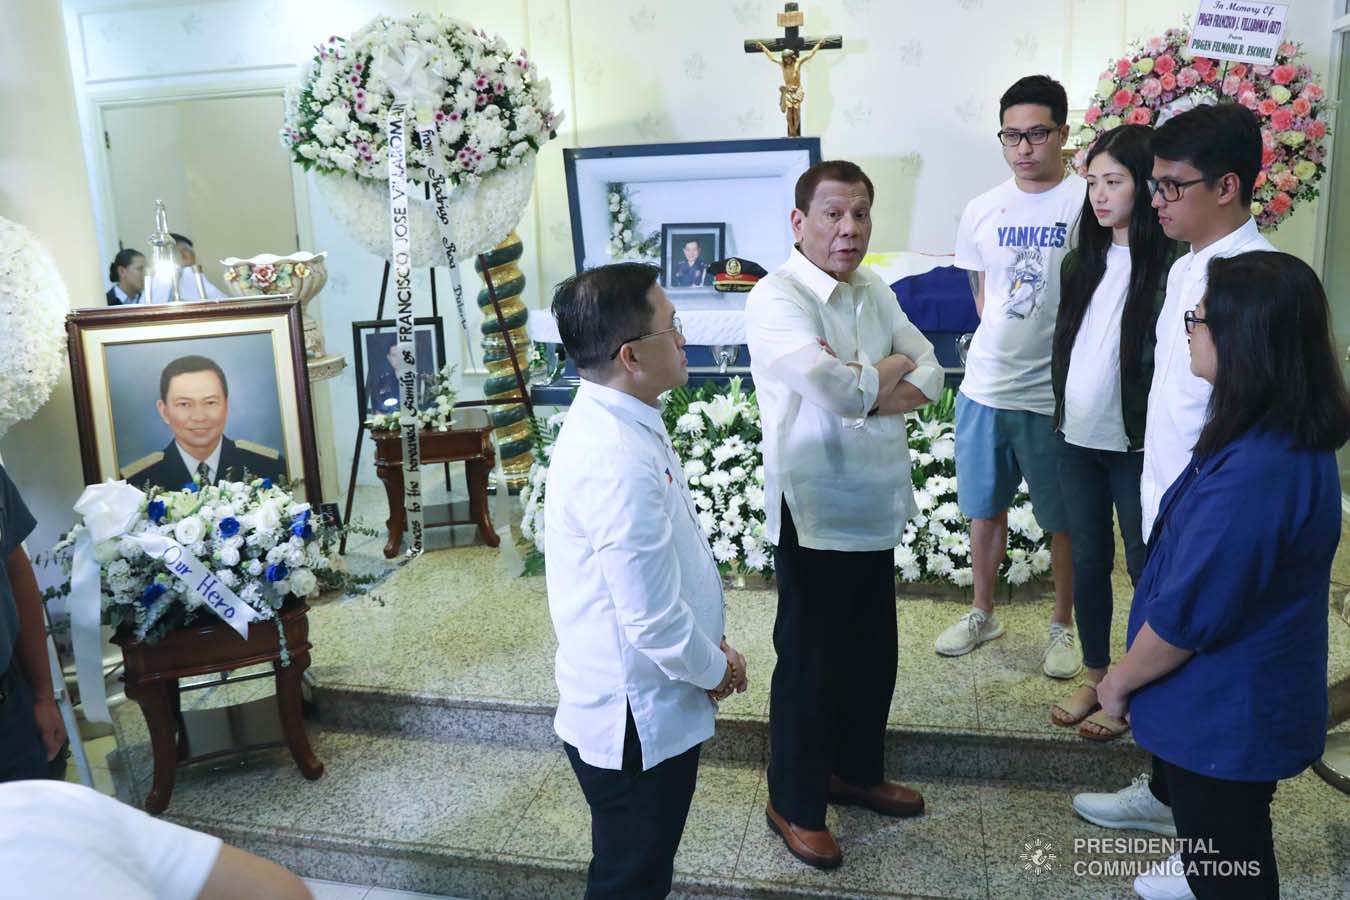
302, 275
511, 420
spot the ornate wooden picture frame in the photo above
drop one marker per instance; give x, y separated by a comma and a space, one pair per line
260, 419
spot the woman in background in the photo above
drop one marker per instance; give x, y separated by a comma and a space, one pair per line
127, 274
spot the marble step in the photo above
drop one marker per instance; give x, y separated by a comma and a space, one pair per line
486, 821
1052, 756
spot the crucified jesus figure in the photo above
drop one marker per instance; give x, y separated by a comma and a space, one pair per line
790, 93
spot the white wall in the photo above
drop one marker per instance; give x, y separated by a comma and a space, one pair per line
913, 97
43, 187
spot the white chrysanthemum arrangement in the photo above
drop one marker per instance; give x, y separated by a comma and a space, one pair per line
490, 108
715, 431
33, 307
935, 546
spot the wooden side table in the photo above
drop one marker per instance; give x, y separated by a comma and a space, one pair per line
469, 440
153, 670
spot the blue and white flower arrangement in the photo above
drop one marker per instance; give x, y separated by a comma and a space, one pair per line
253, 537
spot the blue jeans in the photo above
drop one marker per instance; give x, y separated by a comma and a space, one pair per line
1091, 482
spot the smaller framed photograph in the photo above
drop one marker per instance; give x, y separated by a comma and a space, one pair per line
374, 356
688, 250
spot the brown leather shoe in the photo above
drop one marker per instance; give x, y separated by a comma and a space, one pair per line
813, 847
887, 797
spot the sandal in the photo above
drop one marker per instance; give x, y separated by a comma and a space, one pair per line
1076, 707
1102, 727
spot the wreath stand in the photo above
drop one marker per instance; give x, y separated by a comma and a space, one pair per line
524, 396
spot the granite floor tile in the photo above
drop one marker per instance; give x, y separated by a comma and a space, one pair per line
450, 794
386, 894
453, 623
930, 690
1013, 693
1312, 833
466, 628
750, 616
557, 824
1024, 827
938, 854
332, 890
723, 806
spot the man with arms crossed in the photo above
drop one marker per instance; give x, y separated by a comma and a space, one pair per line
836, 364
633, 589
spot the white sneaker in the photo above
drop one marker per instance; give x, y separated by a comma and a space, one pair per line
1062, 658
1131, 807
973, 630
1165, 880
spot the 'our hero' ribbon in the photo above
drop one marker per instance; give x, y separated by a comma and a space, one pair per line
110, 510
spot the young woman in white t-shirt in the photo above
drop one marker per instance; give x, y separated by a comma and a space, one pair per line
1111, 287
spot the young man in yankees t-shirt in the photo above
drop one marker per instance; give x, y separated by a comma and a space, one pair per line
1011, 240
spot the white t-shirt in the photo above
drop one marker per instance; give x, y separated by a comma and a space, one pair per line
1018, 241
60, 840
1092, 416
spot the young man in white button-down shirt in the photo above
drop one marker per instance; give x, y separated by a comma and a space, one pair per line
836, 364
633, 588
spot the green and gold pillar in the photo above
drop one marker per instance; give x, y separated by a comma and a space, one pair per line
510, 420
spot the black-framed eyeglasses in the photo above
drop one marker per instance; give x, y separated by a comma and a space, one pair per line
1192, 320
1172, 191
1011, 137
675, 326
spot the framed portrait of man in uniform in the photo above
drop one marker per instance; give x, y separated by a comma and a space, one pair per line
688, 250
375, 356
172, 394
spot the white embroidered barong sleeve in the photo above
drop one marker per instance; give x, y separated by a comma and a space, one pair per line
785, 338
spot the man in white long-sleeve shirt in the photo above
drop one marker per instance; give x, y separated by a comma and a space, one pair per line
836, 363
633, 588
185, 255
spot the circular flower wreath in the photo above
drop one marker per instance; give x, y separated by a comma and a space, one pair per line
33, 306
492, 112
1162, 79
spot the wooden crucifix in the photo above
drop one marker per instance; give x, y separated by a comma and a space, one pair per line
790, 58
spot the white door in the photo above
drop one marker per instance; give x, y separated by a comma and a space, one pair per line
218, 166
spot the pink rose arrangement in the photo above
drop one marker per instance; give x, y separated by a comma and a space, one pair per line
1160, 79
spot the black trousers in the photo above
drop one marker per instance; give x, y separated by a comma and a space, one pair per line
1233, 819
835, 636
22, 755
637, 819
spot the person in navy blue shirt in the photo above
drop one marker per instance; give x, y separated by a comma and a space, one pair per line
1225, 678
31, 731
